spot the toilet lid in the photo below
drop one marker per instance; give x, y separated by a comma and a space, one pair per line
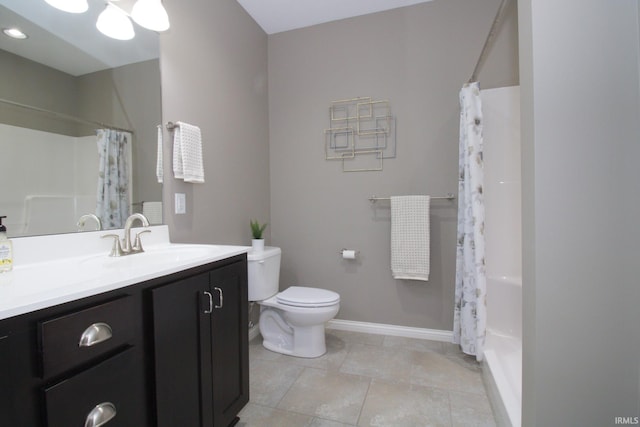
301, 296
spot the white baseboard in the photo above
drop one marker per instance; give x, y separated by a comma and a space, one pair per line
393, 330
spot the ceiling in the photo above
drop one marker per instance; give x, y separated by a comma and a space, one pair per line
275, 16
70, 42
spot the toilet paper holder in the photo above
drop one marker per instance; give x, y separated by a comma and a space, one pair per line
349, 253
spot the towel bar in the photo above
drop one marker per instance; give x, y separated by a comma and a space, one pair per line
449, 196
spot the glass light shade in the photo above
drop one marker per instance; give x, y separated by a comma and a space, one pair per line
114, 23
151, 15
71, 6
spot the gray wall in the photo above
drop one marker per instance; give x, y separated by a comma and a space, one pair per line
418, 58
580, 110
214, 75
30, 83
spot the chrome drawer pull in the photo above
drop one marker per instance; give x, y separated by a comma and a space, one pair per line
100, 415
94, 334
221, 299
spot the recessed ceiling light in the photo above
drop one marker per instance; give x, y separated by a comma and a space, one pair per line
14, 33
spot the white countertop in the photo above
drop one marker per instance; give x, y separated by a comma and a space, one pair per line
51, 270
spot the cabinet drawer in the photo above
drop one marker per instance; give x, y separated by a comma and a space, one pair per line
115, 386
71, 340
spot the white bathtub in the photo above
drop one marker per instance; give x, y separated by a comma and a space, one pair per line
503, 348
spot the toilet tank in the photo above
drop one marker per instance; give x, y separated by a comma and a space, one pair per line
263, 273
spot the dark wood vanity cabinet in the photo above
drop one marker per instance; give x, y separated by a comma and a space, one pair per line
50, 377
171, 351
5, 405
200, 330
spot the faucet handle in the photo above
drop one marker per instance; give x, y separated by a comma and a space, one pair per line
116, 249
137, 244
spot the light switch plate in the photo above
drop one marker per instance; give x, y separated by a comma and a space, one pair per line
181, 203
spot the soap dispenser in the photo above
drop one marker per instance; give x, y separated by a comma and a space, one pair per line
6, 249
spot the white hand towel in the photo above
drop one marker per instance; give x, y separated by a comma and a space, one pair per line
187, 153
410, 237
153, 212
159, 167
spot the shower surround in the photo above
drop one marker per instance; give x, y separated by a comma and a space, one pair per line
502, 187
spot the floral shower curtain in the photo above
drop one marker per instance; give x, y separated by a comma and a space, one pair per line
470, 312
113, 177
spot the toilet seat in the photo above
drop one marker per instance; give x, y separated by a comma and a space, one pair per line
302, 296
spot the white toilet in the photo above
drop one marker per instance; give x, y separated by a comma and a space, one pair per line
292, 321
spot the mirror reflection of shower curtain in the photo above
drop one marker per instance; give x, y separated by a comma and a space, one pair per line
113, 201
470, 311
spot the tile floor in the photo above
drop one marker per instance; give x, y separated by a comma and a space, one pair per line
366, 380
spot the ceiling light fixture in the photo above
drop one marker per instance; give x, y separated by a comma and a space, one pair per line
151, 15
113, 22
71, 6
15, 33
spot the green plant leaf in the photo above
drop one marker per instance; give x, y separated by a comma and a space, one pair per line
257, 229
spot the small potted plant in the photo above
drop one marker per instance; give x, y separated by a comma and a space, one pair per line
257, 242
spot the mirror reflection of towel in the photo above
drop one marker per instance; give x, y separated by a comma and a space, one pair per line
159, 166
153, 212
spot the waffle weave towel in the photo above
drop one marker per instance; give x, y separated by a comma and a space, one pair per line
187, 153
410, 237
153, 212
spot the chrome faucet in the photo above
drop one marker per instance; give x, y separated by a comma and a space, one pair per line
126, 243
81, 222
127, 248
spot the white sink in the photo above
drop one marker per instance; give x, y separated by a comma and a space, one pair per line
161, 256
53, 279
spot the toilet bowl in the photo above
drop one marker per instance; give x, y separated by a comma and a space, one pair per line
295, 326
292, 321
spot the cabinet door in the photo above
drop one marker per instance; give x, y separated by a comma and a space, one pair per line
5, 379
19, 385
229, 342
200, 329
177, 314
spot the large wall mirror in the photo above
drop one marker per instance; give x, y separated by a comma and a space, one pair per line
61, 89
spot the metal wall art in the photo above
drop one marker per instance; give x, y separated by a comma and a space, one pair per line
362, 134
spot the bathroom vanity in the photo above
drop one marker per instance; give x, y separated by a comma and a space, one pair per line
152, 339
